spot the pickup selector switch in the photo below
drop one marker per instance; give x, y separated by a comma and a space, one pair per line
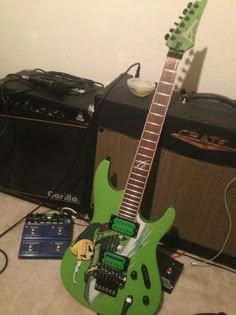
134, 275
146, 277
146, 300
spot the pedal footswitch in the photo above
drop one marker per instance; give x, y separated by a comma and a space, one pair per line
46, 236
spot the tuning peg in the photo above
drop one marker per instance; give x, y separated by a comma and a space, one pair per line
171, 30
180, 17
167, 36
191, 12
177, 24
185, 11
189, 5
196, 5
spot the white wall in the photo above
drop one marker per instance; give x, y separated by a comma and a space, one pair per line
99, 39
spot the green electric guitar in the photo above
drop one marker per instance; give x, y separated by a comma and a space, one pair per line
111, 267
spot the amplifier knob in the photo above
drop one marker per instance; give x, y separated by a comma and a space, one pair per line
60, 115
26, 105
80, 117
56, 113
17, 104
42, 109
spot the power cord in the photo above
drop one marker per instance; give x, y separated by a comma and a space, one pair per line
6, 261
111, 87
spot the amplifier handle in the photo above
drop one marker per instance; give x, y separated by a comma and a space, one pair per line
208, 96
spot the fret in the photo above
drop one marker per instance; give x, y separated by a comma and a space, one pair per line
138, 174
158, 104
137, 183
157, 109
165, 89
139, 171
146, 148
132, 195
135, 191
131, 200
168, 70
142, 183
125, 216
156, 118
126, 213
130, 211
165, 82
152, 132
161, 99
141, 163
171, 63
152, 128
163, 94
151, 136
126, 203
149, 122
143, 154
140, 168
168, 77
158, 115
149, 140
134, 186
136, 180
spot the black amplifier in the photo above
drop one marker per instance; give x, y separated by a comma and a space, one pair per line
194, 169
198, 125
47, 142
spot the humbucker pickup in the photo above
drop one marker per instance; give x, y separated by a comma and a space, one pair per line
123, 226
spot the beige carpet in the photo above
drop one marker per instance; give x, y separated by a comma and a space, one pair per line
34, 287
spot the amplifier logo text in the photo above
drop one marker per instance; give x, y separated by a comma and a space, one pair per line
62, 197
203, 141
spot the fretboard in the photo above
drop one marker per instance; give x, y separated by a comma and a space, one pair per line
138, 176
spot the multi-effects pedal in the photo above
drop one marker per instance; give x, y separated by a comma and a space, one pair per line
46, 236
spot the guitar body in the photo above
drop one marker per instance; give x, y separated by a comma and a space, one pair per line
142, 280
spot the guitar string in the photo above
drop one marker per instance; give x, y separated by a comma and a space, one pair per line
173, 63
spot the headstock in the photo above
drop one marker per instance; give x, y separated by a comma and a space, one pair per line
182, 37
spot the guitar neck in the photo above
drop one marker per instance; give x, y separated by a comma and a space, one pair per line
148, 143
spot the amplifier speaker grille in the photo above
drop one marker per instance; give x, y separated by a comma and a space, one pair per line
194, 188
47, 162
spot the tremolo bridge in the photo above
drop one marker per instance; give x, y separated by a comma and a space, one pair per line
108, 280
